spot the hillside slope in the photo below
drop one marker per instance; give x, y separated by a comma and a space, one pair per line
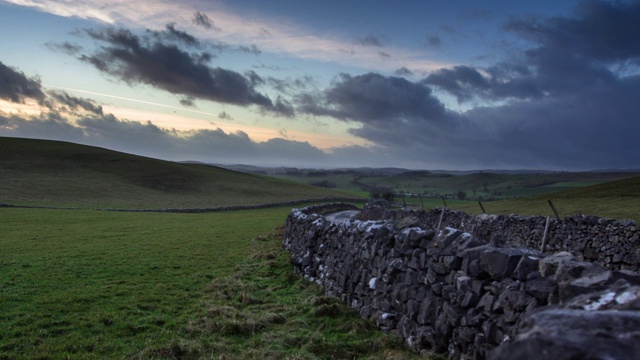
53, 173
616, 199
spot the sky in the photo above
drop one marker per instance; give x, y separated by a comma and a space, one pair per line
456, 85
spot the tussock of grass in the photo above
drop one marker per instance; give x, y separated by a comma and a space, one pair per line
262, 312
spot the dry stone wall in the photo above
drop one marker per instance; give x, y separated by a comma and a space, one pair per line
459, 293
611, 243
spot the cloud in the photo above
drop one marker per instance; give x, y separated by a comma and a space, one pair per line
283, 107
283, 37
251, 49
568, 102
589, 129
50, 127
73, 103
463, 82
388, 111
373, 98
369, 40
15, 86
224, 115
68, 118
188, 101
291, 86
65, 47
403, 71
563, 55
201, 19
599, 30
162, 63
171, 33
150, 140
434, 41
566, 98
147, 139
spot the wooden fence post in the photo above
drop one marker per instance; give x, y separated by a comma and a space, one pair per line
544, 236
482, 207
554, 209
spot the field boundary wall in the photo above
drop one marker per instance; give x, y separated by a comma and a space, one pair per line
478, 287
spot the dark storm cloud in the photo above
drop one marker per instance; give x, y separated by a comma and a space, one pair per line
369, 40
569, 101
566, 55
574, 52
590, 129
389, 110
599, 30
170, 67
15, 86
376, 98
461, 81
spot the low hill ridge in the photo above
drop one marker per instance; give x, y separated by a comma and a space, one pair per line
55, 173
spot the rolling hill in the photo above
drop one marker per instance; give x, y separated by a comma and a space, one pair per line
54, 173
618, 199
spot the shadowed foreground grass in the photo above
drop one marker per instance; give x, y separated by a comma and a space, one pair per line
86, 284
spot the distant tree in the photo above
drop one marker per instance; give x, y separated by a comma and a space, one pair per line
461, 195
382, 193
325, 184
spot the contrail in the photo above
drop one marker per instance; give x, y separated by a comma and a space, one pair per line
130, 99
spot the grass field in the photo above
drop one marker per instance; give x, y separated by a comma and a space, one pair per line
485, 186
95, 284
617, 200
88, 284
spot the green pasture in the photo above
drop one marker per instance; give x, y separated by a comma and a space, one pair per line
89, 284
485, 186
85, 284
615, 200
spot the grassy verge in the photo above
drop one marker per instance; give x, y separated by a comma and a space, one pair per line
85, 284
263, 311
